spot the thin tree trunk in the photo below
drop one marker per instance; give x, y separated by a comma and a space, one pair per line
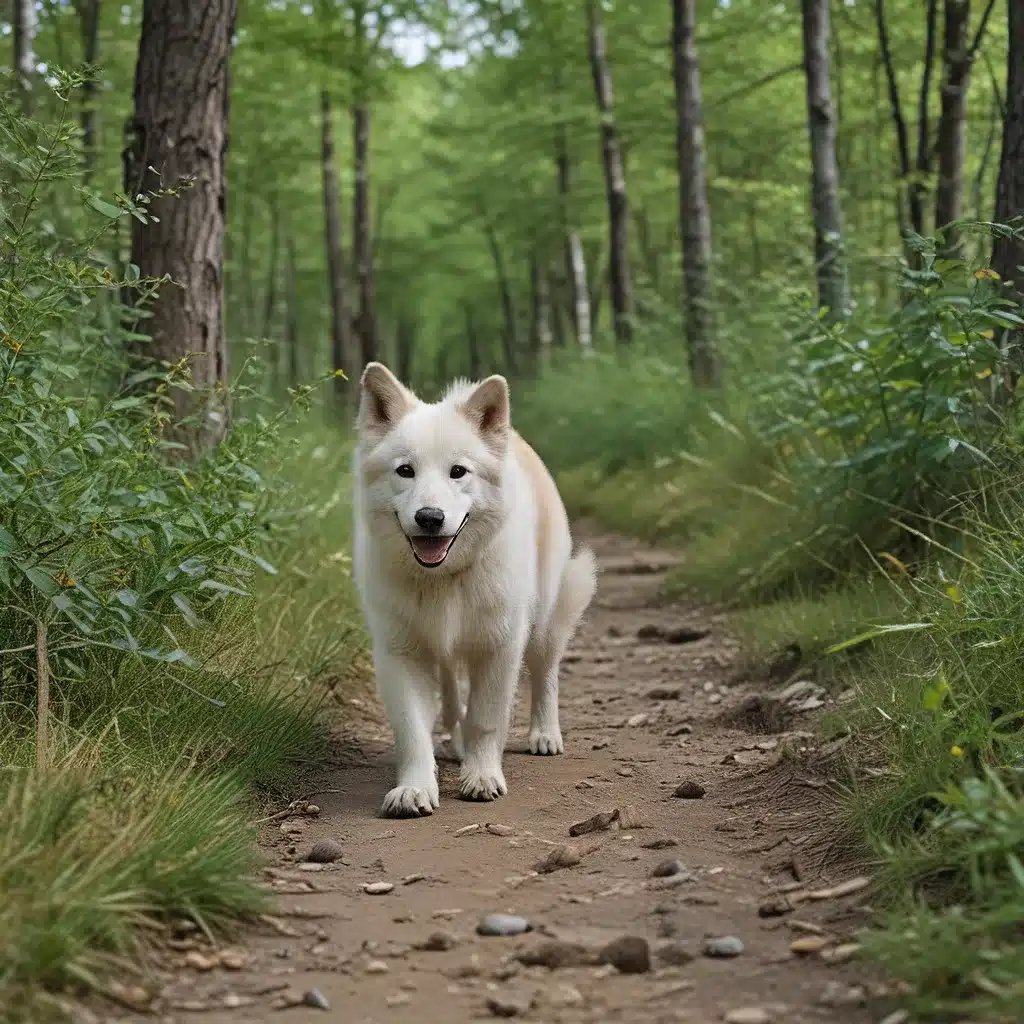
179, 130
825, 202
694, 209
24, 33
986, 154
362, 232
619, 280
575, 261
292, 314
89, 19
473, 345
958, 59
540, 333
270, 292
918, 188
1008, 252
405, 339
509, 335
340, 346
896, 107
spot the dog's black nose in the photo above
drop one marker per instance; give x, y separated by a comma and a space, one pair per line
430, 520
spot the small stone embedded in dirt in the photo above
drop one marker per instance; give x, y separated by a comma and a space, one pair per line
723, 947
809, 944
376, 967
683, 729
838, 994
629, 954
625, 771
401, 999
635, 720
749, 1015
377, 888
664, 693
840, 954
555, 954
566, 996
437, 942
315, 998
630, 816
659, 843
199, 962
503, 924
467, 830
509, 1004
668, 868
673, 953
232, 959
599, 745
777, 906
499, 830
324, 851
417, 876
566, 856
689, 789
596, 823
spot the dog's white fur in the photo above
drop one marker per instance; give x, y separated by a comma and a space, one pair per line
508, 596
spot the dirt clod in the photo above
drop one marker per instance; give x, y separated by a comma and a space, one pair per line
324, 851
509, 1004
557, 858
629, 954
437, 942
673, 953
659, 843
630, 816
776, 906
595, 823
668, 868
555, 953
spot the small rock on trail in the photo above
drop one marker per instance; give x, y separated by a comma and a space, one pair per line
629, 954
503, 924
723, 947
689, 789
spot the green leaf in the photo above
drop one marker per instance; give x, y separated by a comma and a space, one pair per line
7, 543
222, 588
187, 612
878, 631
935, 695
261, 562
105, 208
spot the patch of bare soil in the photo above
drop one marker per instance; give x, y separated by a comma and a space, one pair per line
663, 867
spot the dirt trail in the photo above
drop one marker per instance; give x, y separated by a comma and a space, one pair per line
640, 715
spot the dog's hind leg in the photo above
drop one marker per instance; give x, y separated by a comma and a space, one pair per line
547, 647
409, 697
453, 710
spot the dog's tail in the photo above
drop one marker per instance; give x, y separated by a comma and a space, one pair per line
576, 592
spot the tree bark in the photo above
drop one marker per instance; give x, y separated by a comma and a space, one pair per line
179, 130
540, 333
270, 292
694, 210
509, 334
575, 261
340, 347
24, 32
619, 279
292, 314
89, 20
918, 188
1008, 252
362, 232
821, 124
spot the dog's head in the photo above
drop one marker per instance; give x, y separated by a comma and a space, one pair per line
432, 474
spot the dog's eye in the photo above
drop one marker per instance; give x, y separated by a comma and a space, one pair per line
457, 472
406, 471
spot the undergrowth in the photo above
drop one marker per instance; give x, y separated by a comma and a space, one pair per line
857, 505
169, 625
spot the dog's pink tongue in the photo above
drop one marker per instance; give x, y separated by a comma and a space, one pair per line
432, 549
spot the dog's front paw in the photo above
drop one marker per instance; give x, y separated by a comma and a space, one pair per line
546, 741
475, 784
409, 802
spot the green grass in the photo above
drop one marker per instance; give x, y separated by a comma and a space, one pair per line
147, 812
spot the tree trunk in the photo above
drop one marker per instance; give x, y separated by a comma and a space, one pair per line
24, 33
694, 210
1008, 252
918, 188
362, 233
575, 261
473, 345
179, 130
952, 141
340, 347
540, 333
89, 19
619, 281
270, 292
405, 343
292, 321
825, 203
509, 335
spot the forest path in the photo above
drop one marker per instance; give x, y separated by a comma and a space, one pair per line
642, 712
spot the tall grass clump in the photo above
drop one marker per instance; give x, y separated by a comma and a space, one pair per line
145, 683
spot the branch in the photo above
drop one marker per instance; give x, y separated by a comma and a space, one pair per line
980, 34
923, 151
894, 91
750, 87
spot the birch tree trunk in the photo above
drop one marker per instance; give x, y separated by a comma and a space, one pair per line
23, 16
620, 282
179, 129
694, 210
821, 124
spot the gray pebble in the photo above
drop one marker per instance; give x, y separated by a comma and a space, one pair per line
667, 868
503, 924
324, 851
315, 998
723, 946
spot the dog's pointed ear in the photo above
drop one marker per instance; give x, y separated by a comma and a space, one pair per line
383, 400
488, 408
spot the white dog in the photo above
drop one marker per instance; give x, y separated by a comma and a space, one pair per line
463, 561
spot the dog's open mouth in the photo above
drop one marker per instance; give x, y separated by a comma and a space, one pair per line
430, 552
